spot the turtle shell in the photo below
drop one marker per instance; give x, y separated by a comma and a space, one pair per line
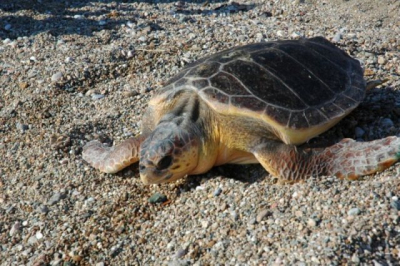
299, 87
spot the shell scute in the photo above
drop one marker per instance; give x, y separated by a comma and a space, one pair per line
249, 103
204, 70
298, 120
345, 102
181, 82
298, 81
229, 84
264, 86
314, 116
332, 110
216, 95
278, 114
329, 76
200, 83
330, 52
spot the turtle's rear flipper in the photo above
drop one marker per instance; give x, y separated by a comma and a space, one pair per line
347, 159
112, 159
350, 159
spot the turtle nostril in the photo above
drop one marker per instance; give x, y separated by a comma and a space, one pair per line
164, 162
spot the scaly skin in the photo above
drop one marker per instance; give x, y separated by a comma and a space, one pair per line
347, 159
112, 159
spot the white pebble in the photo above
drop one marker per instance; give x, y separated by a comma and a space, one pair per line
102, 22
78, 17
15, 228
381, 60
142, 38
96, 96
68, 59
354, 212
337, 37
129, 54
311, 222
39, 235
205, 224
295, 35
56, 77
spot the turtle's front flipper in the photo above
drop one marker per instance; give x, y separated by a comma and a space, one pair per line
112, 159
347, 159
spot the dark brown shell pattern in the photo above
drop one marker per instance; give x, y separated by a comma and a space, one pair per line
297, 83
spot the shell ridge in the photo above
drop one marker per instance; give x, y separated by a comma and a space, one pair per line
327, 59
252, 94
308, 70
187, 72
280, 80
304, 114
241, 83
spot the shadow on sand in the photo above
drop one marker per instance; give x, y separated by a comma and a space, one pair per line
30, 17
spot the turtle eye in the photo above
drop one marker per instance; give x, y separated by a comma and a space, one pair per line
164, 162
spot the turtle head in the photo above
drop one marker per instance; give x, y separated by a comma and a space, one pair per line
168, 154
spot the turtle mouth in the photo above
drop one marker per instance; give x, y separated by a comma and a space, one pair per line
154, 176
159, 180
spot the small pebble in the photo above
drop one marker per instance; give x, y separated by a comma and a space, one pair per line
22, 127
337, 37
234, 215
311, 222
7, 27
43, 209
262, 214
32, 240
205, 224
217, 192
15, 228
142, 38
157, 198
359, 132
381, 60
354, 212
55, 198
387, 122
96, 96
395, 204
181, 252
56, 77
39, 235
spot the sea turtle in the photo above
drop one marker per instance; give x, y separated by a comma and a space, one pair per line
252, 104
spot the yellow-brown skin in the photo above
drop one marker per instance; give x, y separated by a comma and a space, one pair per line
183, 135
